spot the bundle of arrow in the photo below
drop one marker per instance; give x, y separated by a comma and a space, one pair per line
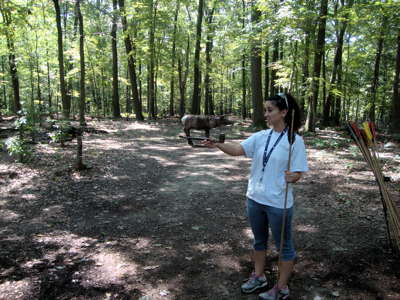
365, 139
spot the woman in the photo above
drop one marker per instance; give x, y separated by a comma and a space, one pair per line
269, 150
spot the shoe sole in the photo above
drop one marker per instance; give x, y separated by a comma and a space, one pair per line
255, 289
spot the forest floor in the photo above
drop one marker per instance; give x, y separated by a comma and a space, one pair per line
154, 218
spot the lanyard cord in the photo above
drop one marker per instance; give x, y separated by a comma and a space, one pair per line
266, 155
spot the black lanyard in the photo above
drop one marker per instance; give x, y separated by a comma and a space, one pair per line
267, 156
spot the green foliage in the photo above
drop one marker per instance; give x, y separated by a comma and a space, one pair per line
18, 146
60, 135
321, 143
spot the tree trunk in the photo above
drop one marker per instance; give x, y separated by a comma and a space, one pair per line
4, 89
115, 84
312, 108
130, 50
244, 88
266, 76
48, 81
197, 75
150, 87
395, 114
82, 94
209, 45
182, 80
66, 101
11, 57
337, 64
306, 73
173, 59
275, 58
256, 80
39, 92
375, 81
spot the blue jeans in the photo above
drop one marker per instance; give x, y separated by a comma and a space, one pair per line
262, 217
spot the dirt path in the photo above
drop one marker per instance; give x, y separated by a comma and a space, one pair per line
155, 217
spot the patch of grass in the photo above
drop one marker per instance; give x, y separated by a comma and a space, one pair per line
325, 143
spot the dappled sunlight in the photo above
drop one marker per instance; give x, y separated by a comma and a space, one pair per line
307, 228
11, 237
7, 215
64, 238
108, 267
20, 289
227, 262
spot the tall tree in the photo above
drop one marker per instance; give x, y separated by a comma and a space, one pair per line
66, 101
319, 51
395, 112
130, 52
337, 64
256, 80
244, 86
9, 33
82, 93
173, 60
208, 101
266, 75
183, 74
375, 80
195, 109
275, 57
152, 58
115, 81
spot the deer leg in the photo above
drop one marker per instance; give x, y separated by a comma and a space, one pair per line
207, 133
187, 132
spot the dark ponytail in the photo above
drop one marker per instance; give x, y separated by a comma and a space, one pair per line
287, 101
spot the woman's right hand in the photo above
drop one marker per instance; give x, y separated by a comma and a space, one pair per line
209, 143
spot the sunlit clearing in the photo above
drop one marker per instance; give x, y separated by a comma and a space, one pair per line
307, 228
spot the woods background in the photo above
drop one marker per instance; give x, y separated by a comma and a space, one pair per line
157, 58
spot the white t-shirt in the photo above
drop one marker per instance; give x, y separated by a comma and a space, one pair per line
268, 187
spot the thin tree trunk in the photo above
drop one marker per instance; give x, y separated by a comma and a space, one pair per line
130, 50
4, 89
39, 92
312, 109
266, 76
48, 80
151, 92
275, 58
328, 117
195, 109
395, 113
293, 75
306, 73
173, 59
209, 45
375, 81
244, 88
256, 76
82, 94
14, 75
66, 101
115, 83
182, 80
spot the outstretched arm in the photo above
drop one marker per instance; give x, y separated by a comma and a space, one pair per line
233, 149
